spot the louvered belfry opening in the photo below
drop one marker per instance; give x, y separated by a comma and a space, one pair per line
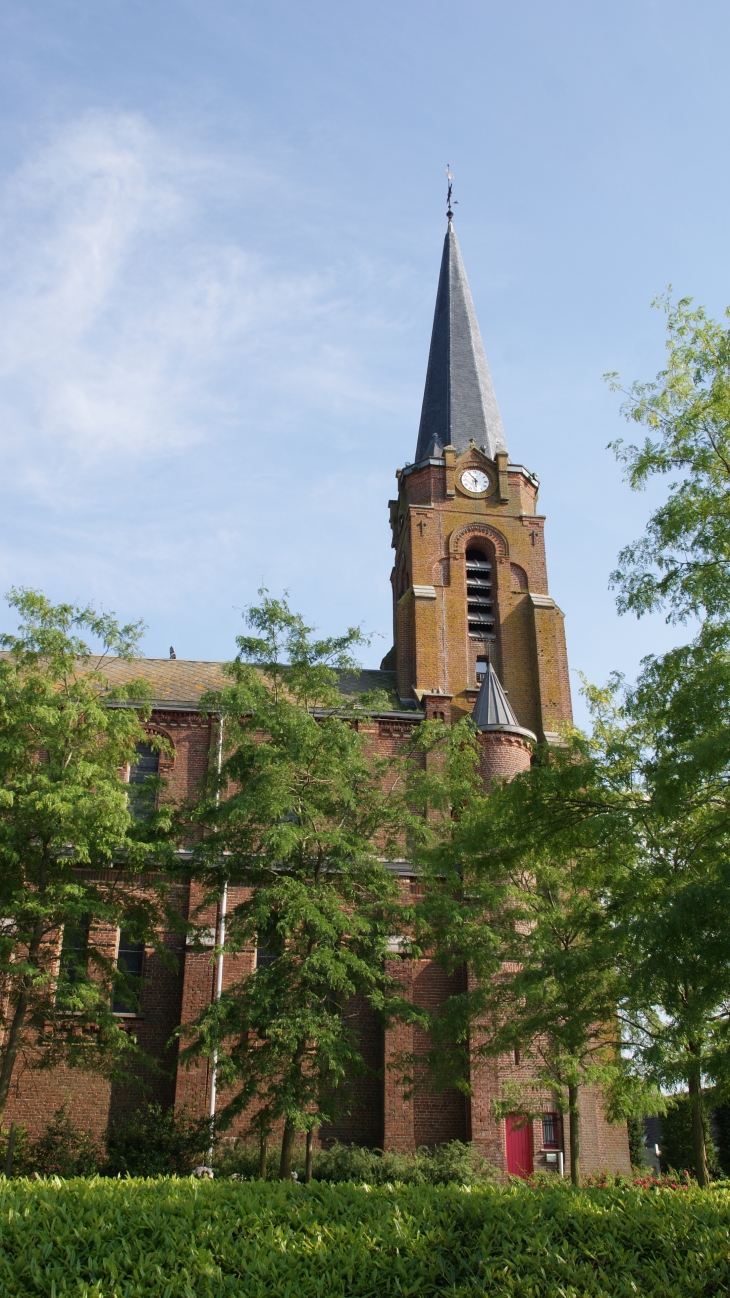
479, 596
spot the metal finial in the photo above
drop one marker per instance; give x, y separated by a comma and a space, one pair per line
450, 183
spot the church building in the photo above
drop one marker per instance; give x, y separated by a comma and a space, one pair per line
475, 631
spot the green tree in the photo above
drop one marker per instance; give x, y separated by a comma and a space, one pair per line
70, 853
598, 885
526, 884
676, 900
677, 1137
301, 816
682, 562
682, 565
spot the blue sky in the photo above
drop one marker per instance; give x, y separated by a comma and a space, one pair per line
221, 231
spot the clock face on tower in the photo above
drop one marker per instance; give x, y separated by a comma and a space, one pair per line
475, 481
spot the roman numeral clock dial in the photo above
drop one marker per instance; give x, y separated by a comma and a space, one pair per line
475, 482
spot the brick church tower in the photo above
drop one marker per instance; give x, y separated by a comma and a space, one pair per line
470, 579
476, 632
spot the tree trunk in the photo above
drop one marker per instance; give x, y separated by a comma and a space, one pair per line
290, 1131
14, 1038
574, 1134
263, 1141
287, 1150
12, 1045
11, 1150
699, 1147
308, 1158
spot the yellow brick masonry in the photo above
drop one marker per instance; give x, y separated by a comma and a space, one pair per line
435, 520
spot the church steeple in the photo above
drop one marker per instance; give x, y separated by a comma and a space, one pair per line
458, 402
470, 593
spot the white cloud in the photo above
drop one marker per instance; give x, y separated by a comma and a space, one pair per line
181, 414
120, 320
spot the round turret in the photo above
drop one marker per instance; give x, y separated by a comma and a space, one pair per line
505, 747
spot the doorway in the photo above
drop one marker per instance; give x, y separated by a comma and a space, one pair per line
519, 1146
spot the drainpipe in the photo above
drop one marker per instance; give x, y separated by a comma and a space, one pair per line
220, 942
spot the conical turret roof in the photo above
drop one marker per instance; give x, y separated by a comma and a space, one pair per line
458, 401
491, 710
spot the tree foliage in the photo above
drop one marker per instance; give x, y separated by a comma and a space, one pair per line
301, 816
682, 562
679, 891
526, 882
676, 899
70, 852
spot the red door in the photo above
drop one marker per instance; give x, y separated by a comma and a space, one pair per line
519, 1148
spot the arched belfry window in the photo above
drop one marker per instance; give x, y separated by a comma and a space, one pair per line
479, 595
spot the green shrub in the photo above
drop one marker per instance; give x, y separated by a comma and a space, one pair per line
676, 1138
342, 1163
637, 1149
63, 1150
451, 1163
221, 1239
241, 1158
154, 1141
454, 1162
22, 1161
721, 1124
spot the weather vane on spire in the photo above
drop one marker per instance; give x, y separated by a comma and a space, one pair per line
450, 183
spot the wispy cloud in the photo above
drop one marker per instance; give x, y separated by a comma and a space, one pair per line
183, 410
121, 320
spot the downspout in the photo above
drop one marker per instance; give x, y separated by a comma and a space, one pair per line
220, 942
444, 650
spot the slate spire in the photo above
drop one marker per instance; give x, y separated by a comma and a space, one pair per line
491, 710
458, 402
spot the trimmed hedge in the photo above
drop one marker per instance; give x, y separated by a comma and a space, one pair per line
190, 1239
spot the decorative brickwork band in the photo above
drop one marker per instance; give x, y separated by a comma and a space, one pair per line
460, 538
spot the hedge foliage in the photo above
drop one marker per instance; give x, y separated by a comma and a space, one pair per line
154, 1141
188, 1239
448, 1164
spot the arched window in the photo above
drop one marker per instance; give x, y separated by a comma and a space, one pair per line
73, 965
146, 766
130, 961
479, 598
268, 949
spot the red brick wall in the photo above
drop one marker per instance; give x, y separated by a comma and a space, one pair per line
361, 1122
502, 755
438, 1116
398, 1105
35, 1094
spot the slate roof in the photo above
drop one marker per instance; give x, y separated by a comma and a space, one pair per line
492, 710
181, 682
175, 682
458, 402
